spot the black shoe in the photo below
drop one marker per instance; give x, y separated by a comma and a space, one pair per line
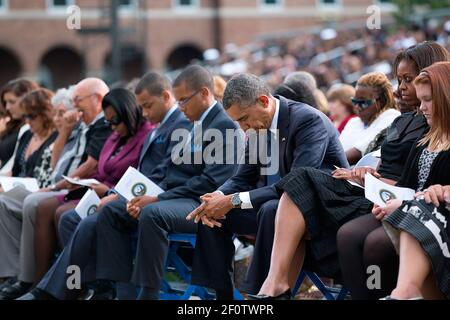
102, 290
15, 290
8, 282
36, 294
284, 296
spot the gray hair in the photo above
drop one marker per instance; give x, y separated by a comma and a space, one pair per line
301, 77
64, 96
244, 90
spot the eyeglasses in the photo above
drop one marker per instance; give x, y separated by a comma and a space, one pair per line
186, 100
113, 122
77, 100
363, 103
30, 116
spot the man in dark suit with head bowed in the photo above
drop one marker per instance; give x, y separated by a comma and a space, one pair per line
296, 135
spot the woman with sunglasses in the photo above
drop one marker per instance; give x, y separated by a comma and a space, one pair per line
362, 242
12, 122
120, 151
376, 109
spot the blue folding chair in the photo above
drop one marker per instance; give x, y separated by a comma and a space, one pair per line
330, 293
175, 264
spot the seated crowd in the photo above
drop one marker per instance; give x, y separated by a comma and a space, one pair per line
298, 199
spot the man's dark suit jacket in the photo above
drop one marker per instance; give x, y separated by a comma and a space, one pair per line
155, 154
188, 180
307, 138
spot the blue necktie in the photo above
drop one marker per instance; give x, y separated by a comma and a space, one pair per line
273, 178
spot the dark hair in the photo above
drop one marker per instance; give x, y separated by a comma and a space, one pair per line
195, 77
126, 106
297, 91
423, 55
39, 102
243, 90
18, 87
154, 83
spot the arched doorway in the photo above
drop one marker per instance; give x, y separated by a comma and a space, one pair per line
61, 67
9, 65
132, 64
183, 55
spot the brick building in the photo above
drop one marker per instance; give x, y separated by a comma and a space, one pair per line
162, 34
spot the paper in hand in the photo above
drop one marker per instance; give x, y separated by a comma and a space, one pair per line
380, 193
9, 183
88, 204
81, 182
134, 184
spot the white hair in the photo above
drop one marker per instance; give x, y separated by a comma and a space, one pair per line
64, 96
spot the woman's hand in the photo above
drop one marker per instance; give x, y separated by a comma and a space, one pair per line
381, 212
342, 174
358, 174
435, 194
378, 212
3, 123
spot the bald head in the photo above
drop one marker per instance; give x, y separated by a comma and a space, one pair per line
87, 97
91, 86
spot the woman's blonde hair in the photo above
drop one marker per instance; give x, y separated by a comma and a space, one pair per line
383, 86
437, 76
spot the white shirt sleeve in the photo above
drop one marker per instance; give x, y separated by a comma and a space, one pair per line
245, 198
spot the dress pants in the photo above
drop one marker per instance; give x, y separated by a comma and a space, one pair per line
213, 263
11, 230
115, 234
27, 254
79, 238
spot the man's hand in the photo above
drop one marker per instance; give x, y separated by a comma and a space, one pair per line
135, 206
69, 121
100, 189
435, 194
107, 199
215, 206
358, 174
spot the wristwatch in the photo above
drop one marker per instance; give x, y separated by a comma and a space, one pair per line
236, 200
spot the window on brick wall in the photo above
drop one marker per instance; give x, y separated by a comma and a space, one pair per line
127, 3
59, 4
271, 2
186, 3
329, 2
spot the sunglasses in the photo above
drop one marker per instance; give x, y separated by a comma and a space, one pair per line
363, 103
30, 116
113, 122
